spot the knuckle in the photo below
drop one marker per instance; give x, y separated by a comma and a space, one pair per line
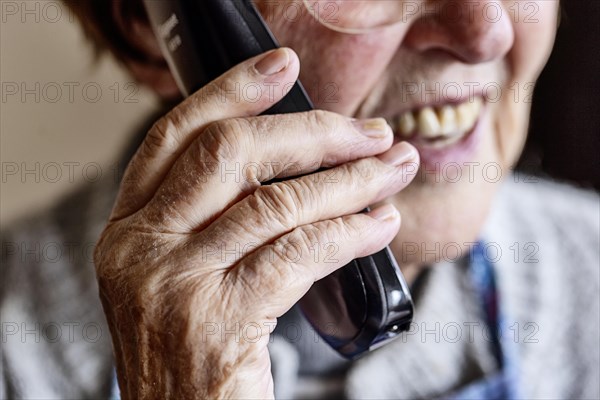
285, 201
325, 122
353, 229
304, 192
286, 272
246, 282
362, 173
293, 253
224, 140
275, 204
163, 135
262, 277
332, 130
322, 233
106, 254
305, 237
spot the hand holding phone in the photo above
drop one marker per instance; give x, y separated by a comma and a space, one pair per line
358, 307
193, 266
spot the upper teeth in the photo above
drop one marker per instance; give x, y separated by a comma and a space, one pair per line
444, 121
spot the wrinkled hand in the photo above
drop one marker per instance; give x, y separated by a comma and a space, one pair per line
194, 265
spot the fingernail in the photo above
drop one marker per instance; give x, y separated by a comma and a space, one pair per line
274, 62
399, 154
373, 128
385, 212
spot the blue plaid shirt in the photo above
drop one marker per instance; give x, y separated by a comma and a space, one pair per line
502, 385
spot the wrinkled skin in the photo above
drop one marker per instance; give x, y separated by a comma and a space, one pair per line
194, 265
168, 278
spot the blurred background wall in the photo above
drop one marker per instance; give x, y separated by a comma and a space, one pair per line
564, 137
64, 117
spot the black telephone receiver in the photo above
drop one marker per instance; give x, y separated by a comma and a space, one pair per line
360, 306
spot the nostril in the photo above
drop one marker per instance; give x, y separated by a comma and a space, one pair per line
483, 41
474, 49
472, 39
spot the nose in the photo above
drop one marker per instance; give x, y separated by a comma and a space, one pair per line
472, 31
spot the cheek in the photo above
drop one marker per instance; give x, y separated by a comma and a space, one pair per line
337, 70
534, 37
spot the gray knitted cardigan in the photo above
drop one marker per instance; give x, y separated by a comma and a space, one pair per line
55, 342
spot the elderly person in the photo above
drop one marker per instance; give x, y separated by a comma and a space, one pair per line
427, 115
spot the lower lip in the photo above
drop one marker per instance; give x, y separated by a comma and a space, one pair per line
461, 151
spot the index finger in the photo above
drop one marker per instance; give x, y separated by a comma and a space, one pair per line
249, 88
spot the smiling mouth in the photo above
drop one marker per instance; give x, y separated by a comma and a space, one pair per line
438, 126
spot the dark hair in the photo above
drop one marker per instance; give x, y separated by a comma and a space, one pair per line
98, 21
